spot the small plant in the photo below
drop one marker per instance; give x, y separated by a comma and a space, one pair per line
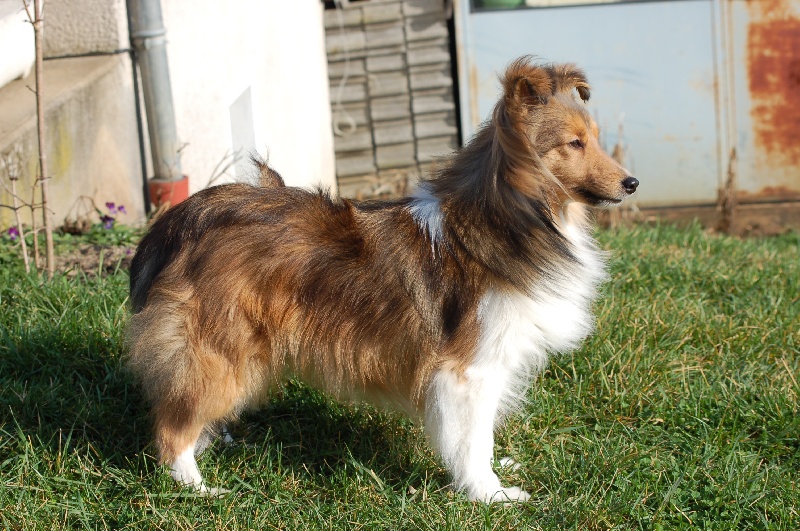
81, 218
86, 225
11, 243
108, 220
13, 233
108, 231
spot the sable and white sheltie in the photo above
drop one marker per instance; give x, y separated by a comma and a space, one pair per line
445, 303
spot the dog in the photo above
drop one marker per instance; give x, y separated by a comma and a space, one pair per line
445, 303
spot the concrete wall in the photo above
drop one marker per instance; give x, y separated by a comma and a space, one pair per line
84, 26
91, 137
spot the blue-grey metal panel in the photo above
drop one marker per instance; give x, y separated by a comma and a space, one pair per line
651, 63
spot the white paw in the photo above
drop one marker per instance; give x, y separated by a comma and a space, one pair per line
498, 494
504, 495
211, 492
511, 494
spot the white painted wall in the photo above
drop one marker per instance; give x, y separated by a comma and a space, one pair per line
17, 52
274, 48
217, 51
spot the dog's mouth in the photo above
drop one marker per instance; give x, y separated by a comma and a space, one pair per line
595, 199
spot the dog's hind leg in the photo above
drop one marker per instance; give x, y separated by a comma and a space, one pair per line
205, 440
209, 435
461, 408
177, 436
192, 388
182, 431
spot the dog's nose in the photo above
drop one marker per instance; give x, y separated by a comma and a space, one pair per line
630, 184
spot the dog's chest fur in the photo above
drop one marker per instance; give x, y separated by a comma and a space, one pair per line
519, 330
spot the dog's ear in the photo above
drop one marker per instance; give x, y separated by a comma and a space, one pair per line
568, 77
526, 84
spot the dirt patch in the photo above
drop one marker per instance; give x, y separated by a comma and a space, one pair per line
94, 259
752, 220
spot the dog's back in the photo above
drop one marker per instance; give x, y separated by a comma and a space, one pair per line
187, 222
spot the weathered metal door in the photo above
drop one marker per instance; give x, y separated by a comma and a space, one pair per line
679, 83
764, 45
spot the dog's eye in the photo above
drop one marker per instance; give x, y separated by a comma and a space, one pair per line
577, 143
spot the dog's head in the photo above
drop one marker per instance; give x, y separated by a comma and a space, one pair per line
540, 116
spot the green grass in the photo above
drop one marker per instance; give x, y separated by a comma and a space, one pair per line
681, 412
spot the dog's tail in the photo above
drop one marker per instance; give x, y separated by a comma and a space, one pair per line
268, 177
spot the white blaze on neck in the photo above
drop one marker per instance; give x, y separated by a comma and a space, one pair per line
427, 212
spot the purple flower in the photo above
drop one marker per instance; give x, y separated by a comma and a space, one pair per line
111, 207
108, 221
121, 209
13, 233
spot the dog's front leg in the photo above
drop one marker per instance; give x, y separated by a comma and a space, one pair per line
460, 414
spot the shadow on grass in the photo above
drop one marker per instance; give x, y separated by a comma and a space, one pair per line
320, 436
70, 391
54, 386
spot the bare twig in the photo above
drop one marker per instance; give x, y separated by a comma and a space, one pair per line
26, 5
37, 19
23, 245
38, 28
230, 159
12, 170
34, 228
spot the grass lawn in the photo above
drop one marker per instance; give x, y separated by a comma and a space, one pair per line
680, 412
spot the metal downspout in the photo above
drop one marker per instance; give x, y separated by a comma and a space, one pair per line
148, 38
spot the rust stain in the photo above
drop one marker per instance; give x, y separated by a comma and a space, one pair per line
771, 192
773, 64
